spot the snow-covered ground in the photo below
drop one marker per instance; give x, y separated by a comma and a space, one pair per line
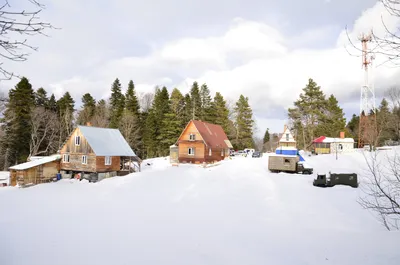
234, 213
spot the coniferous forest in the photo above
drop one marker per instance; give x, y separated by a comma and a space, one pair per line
36, 123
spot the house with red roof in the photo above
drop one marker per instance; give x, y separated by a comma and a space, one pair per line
202, 142
328, 145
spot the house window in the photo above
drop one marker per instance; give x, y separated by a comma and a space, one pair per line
287, 137
66, 158
192, 137
209, 152
191, 151
340, 147
77, 140
84, 160
107, 161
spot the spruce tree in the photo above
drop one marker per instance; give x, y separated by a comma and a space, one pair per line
131, 100
188, 110
195, 101
244, 123
52, 103
266, 136
18, 123
117, 104
178, 106
206, 110
221, 112
41, 99
88, 110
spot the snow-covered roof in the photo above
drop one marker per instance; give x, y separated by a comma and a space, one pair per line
4, 177
106, 141
35, 163
324, 139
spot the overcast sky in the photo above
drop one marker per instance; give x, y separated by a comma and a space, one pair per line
264, 49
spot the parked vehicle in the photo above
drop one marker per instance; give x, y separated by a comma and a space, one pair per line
349, 179
256, 154
288, 163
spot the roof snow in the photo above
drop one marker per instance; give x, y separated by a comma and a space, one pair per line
106, 141
35, 163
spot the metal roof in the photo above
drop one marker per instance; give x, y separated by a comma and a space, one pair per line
323, 139
35, 163
106, 141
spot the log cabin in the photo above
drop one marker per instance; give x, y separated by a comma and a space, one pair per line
97, 152
202, 142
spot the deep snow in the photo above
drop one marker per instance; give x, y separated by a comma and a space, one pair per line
233, 213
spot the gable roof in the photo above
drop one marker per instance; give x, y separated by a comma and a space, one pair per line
213, 135
283, 137
106, 141
36, 162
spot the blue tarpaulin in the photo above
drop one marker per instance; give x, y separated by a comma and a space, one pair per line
287, 151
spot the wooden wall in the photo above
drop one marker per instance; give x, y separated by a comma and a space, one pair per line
75, 163
215, 154
191, 128
199, 154
115, 164
70, 147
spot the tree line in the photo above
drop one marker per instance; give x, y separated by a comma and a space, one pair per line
34, 123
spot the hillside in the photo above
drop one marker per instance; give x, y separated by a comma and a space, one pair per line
234, 213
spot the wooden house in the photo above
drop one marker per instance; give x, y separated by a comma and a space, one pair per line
202, 142
98, 152
35, 171
328, 145
286, 139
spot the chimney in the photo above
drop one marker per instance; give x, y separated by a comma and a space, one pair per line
88, 123
341, 135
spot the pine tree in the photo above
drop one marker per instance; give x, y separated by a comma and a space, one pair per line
206, 110
195, 101
221, 112
266, 136
17, 123
308, 113
244, 123
131, 100
117, 104
41, 99
169, 132
332, 120
384, 123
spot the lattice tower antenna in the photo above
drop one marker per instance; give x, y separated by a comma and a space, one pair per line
367, 103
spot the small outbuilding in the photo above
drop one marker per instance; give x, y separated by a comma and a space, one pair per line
328, 145
35, 171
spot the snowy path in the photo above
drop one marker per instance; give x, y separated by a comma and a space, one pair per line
235, 213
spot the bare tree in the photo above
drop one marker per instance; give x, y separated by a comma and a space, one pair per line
382, 189
146, 100
129, 127
258, 141
3, 101
101, 117
44, 133
15, 27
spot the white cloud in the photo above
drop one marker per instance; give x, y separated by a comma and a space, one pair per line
250, 58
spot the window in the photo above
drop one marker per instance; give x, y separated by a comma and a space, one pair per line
209, 152
287, 137
191, 151
66, 158
84, 160
340, 147
192, 137
107, 161
77, 140
287, 161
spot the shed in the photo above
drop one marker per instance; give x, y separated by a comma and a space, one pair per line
328, 145
35, 171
